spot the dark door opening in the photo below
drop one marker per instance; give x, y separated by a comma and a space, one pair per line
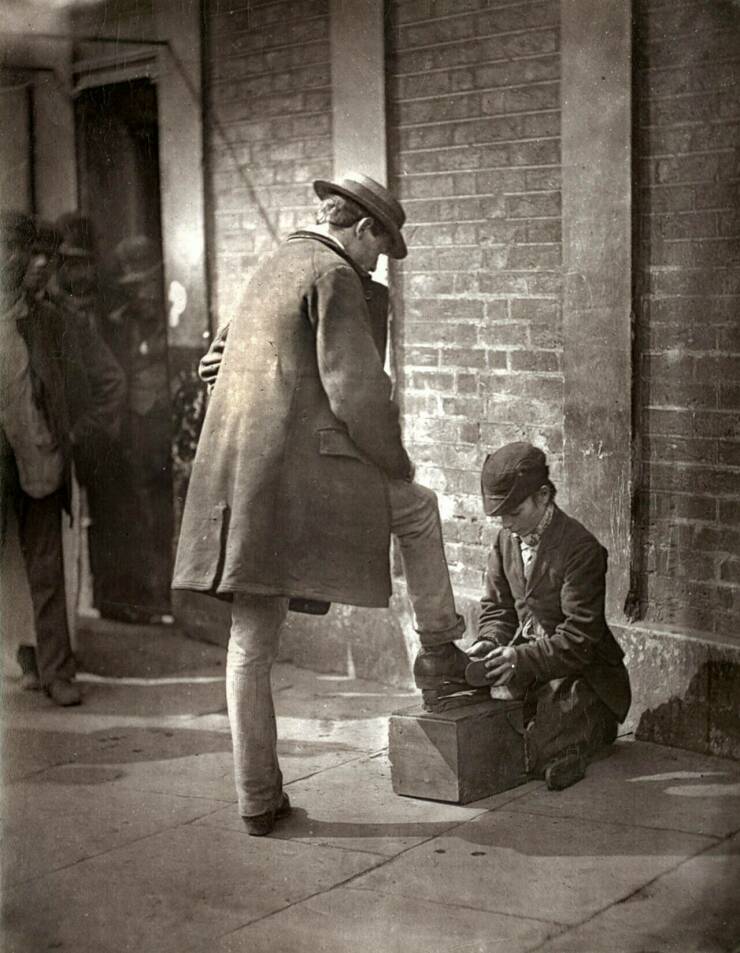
118, 136
130, 498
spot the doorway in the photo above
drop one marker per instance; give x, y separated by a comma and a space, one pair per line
129, 498
118, 137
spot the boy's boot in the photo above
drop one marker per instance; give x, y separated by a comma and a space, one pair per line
566, 769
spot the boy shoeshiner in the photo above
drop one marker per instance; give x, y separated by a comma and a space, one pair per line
542, 635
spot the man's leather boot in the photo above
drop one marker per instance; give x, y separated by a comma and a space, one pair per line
439, 672
259, 825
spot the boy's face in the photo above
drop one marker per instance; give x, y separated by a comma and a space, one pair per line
524, 518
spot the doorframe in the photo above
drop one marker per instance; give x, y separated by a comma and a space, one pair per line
173, 62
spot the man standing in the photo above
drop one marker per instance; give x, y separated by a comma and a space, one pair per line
61, 388
44, 261
301, 476
131, 501
73, 288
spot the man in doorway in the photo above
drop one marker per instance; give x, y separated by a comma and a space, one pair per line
73, 287
44, 261
61, 388
542, 635
131, 502
301, 476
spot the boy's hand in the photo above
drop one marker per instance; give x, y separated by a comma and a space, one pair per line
499, 661
501, 665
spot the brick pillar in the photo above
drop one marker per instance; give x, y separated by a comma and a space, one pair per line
358, 87
358, 93
597, 295
182, 191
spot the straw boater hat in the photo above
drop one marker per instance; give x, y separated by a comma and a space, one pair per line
373, 197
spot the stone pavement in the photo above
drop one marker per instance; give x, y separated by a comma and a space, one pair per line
121, 835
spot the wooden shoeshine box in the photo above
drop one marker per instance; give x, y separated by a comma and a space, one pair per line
462, 755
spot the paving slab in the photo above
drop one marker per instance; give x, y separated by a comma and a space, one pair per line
76, 821
339, 695
17, 938
178, 695
692, 909
172, 893
211, 774
362, 735
107, 647
556, 869
31, 750
208, 775
646, 785
364, 921
353, 807
333, 710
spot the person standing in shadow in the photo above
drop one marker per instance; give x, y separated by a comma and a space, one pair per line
60, 391
132, 531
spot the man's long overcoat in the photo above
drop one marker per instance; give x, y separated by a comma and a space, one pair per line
288, 494
78, 384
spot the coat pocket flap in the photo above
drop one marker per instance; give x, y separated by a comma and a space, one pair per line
337, 443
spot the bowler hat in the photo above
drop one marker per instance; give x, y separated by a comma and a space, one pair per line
373, 197
77, 236
138, 259
510, 475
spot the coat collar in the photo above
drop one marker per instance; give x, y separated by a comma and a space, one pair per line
329, 243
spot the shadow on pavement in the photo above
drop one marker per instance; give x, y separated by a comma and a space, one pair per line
563, 837
28, 747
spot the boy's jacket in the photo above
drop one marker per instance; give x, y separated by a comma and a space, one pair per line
563, 600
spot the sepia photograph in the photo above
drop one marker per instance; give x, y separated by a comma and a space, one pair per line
370, 476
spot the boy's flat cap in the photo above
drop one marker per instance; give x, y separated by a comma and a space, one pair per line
510, 475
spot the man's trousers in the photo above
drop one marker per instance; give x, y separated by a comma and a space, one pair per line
40, 535
255, 628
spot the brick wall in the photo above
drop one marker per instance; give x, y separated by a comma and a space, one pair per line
474, 126
269, 94
688, 109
